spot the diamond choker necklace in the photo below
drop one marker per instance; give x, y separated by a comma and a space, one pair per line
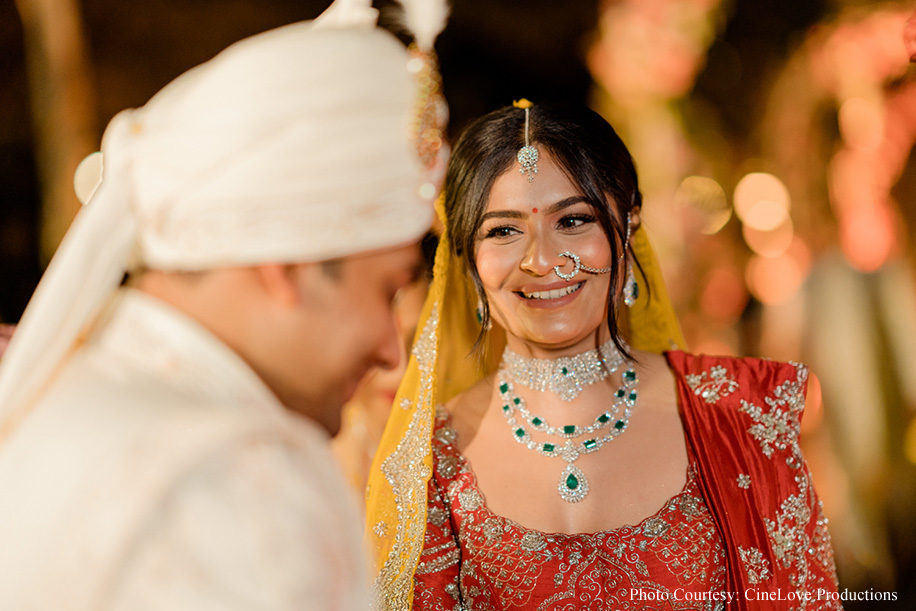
565, 376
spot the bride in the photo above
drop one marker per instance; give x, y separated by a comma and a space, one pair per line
553, 450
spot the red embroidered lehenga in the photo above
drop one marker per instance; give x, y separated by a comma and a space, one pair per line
746, 532
747, 526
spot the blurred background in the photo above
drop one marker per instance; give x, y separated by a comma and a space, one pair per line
775, 144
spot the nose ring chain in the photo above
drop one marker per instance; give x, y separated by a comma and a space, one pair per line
577, 265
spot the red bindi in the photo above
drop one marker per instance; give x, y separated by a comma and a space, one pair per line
534, 210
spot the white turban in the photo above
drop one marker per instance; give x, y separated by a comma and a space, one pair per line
292, 145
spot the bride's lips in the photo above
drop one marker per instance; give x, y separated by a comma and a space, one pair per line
554, 295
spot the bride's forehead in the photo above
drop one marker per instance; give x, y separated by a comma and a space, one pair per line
512, 190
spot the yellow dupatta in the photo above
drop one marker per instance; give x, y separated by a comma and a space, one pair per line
441, 366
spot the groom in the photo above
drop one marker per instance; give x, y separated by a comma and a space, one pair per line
163, 441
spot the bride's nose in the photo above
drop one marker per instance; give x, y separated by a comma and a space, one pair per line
541, 256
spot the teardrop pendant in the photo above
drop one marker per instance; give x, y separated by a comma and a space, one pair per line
573, 485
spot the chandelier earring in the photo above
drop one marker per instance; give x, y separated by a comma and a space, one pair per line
630, 287
479, 313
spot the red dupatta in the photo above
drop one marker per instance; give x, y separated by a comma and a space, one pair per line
742, 420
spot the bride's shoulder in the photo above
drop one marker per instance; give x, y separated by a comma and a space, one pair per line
472, 398
651, 367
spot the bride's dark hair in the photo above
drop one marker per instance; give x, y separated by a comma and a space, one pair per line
582, 143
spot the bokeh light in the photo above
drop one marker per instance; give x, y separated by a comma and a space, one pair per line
757, 196
771, 243
867, 236
707, 197
765, 215
814, 405
862, 123
776, 280
724, 296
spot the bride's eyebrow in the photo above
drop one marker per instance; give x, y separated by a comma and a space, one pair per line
506, 214
518, 214
566, 203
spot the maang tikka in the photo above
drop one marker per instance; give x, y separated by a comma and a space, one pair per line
527, 155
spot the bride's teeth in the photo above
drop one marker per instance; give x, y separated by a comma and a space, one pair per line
554, 294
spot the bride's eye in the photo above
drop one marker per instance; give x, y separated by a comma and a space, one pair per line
573, 221
500, 231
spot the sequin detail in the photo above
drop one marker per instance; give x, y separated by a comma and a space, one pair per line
533, 541
713, 385
407, 473
506, 566
755, 565
776, 428
437, 516
744, 481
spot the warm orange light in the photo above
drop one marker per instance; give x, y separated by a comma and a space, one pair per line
849, 181
724, 295
862, 123
799, 251
814, 405
756, 187
765, 215
774, 280
867, 236
769, 243
707, 197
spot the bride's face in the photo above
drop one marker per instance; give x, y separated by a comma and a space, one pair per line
525, 227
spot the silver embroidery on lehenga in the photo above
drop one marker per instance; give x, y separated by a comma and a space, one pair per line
712, 385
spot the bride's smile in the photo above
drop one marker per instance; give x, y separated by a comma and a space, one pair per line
549, 292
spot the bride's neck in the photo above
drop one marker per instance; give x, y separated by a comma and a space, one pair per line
543, 350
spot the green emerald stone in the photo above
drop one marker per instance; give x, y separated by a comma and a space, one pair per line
633, 397
619, 424
506, 408
516, 400
519, 432
572, 482
569, 429
503, 388
603, 418
564, 370
536, 421
547, 447
620, 393
590, 444
629, 375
